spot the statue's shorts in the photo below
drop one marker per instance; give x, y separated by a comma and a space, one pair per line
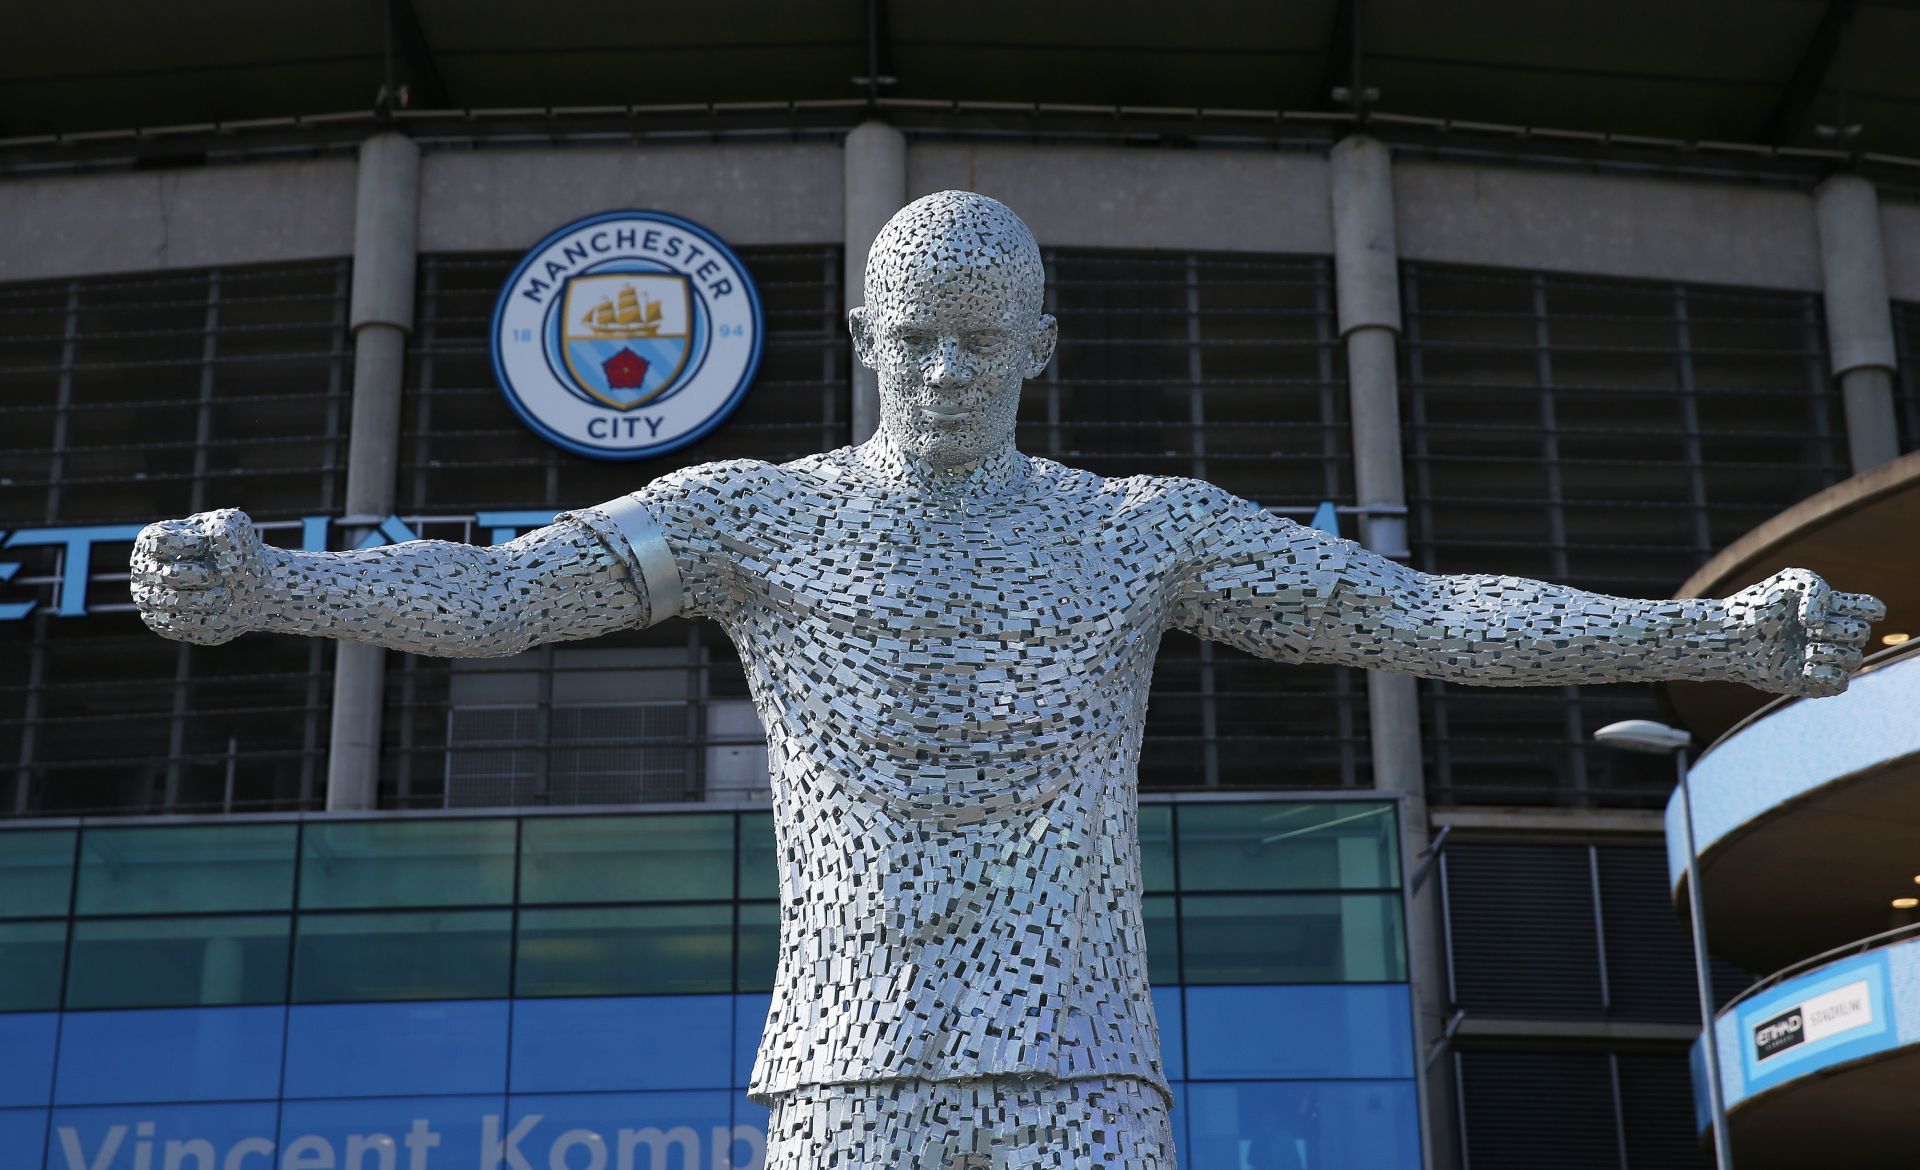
996, 1123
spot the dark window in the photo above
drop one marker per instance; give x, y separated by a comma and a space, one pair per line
1579, 1109
187, 869
1226, 368
436, 954
363, 865
31, 957
1556, 931
667, 858
1155, 828
758, 946
178, 962
36, 873
1343, 846
1656, 1111
1606, 434
1291, 938
1522, 930
759, 865
130, 399
1906, 386
626, 950
1526, 1110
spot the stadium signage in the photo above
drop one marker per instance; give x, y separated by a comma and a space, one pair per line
627, 334
1833, 1014
525, 1141
1828, 1014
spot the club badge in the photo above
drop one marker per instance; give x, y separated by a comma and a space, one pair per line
627, 334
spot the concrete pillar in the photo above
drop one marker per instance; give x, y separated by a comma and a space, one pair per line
1366, 265
876, 187
1853, 268
385, 246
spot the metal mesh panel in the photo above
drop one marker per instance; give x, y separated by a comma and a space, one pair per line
621, 753
1226, 368
1906, 340
1520, 930
1522, 1109
1570, 931
1528, 1110
128, 399
1656, 1111
1607, 434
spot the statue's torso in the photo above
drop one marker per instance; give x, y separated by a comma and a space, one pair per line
960, 659
953, 691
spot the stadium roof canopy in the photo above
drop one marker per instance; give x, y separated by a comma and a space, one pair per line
1766, 72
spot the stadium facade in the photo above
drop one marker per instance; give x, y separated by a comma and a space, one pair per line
281, 902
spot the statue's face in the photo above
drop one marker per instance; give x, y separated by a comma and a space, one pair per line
952, 327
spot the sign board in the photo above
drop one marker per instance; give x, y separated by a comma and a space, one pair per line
1838, 1013
627, 334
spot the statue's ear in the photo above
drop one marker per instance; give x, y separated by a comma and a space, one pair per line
1046, 333
862, 330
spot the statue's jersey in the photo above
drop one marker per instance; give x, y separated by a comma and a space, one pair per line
953, 687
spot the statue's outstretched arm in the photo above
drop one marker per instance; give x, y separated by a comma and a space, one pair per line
209, 578
1788, 634
1281, 590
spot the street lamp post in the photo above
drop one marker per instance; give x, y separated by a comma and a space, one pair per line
1644, 735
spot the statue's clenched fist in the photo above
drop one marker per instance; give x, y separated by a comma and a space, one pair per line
1805, 638
200, 579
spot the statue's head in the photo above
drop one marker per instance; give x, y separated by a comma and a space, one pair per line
952, 325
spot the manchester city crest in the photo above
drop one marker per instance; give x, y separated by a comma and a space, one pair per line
627, 334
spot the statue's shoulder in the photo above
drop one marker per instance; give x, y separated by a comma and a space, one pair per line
1171, 499
723, 471
1169, 505
706, 487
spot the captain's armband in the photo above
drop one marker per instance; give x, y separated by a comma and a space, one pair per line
633, 534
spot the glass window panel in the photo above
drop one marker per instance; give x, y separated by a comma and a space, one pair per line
759, 945
178, 962
749, 1021
445, 954
613, 1045
24, 1129
394, 1049
750, 1125
662, 1129
458, 1125
1163, 939
365, 864
1168, 1014
626, 950
1156, 847
1337, 1125
662, 858
1350, 1031
30, 957
1325, 845
759, 862
196, 1054
26, 1073
170, 869
36, 872
1291, 938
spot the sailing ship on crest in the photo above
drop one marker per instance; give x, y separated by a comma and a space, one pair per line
626, 314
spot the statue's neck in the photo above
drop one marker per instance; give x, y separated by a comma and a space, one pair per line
888, 460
